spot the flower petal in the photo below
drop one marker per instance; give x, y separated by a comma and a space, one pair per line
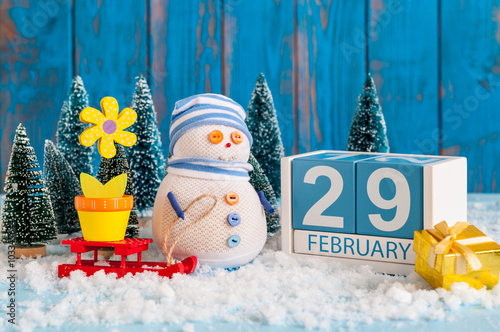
126, 119
107, 146
91, 135
109, 106
125, 138
91, 115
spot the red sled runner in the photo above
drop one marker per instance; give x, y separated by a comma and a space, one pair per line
126, 247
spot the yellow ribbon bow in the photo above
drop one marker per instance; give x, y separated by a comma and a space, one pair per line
447, 237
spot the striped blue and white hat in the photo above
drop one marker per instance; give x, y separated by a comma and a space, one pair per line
206, 109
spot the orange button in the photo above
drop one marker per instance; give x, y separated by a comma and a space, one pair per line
216, 136
232, 198
237, 137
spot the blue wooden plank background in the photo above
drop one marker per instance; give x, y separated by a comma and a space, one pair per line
110, 47
470, 90
436, 66
35, 70
403, 59
330, 71
186, 51
258, 38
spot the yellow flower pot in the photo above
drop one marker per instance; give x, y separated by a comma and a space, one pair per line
104, 219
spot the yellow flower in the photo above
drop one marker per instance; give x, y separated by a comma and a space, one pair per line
108, 128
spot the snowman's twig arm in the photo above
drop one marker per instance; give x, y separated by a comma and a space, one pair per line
265, 203
175, 205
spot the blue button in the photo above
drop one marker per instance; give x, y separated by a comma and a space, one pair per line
234, 240
234, 219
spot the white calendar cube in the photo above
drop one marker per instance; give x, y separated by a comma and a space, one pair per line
362, 208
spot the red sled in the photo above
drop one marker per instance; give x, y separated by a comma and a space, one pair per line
126, 247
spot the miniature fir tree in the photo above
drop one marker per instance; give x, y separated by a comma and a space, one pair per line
368, 131
43, 226
70, 127
27, 216
263, 125
112, 167
146, 160
259, 181
63, 186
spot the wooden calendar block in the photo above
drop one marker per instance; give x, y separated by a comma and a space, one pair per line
392, 195
324, 192
400, 194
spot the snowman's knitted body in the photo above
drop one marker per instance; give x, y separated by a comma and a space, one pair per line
234, 231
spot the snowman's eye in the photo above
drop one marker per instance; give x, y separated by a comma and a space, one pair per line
216, 136
237, 137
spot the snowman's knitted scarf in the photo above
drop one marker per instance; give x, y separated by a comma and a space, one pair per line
212, 169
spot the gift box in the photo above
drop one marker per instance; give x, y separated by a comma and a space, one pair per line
461, 253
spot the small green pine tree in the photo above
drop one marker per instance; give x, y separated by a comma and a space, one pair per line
26, 215
259, 181
112, 167
368, 131
146, 160
263, 125
63, 186
70, 127
43, 227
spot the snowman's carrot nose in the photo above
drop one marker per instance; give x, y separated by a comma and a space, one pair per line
228, 145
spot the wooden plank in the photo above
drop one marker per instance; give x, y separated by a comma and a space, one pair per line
110, 47
330, 71
35, 70
186, 54
258, 38
403, 58
470, 38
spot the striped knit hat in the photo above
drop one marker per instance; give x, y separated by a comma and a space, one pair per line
206, 109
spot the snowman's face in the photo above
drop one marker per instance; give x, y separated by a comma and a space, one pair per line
214, 142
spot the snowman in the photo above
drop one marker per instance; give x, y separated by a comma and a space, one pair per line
206, 206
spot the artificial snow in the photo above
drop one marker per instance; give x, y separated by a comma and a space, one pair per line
276, 290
